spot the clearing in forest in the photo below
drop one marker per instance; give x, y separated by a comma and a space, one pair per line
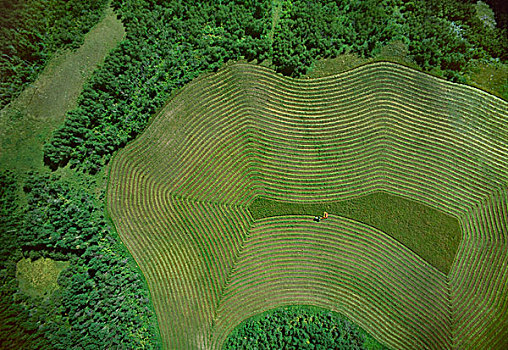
185, 199
39, 277
27, 122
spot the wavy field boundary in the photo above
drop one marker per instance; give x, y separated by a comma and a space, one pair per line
179, 196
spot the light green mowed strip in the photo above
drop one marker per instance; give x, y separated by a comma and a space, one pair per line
179, 196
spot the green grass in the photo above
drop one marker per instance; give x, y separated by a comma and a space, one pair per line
39, 278
428, 232
331, 66
276, 12
491, 77
396, 52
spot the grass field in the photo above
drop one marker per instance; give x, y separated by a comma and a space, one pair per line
180, 196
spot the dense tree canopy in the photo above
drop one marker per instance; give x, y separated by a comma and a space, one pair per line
102, 301
300, 327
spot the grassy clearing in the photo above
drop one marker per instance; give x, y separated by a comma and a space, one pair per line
396, 52
428, 232
27, 122
276, 12
39, 278
491, 77
336, 65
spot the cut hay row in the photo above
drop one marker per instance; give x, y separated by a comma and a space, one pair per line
179, 196
188, 250
345, 260
479, 277
206, 134
479, 145
399, 132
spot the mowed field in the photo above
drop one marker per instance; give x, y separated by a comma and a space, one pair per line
180, 194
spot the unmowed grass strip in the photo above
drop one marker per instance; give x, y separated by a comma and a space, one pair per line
428, 232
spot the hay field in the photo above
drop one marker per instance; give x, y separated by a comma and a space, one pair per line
179, 197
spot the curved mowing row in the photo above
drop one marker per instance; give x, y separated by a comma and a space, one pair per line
179, 196
341, 265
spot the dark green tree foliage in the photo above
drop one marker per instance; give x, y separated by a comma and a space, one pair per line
9, 216
444, 36
31, 31
15, 331
310, 30
102, 301
58, 221
300, 327
171, 42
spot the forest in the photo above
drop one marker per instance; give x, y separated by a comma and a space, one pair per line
103, 301
300, 327
31, 32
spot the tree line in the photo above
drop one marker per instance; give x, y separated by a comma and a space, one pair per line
300, 327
